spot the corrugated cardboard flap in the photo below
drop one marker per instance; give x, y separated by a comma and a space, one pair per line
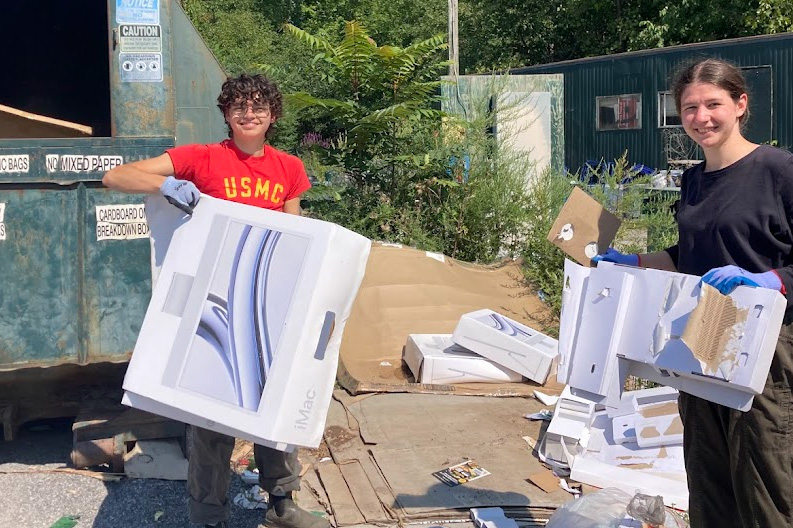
407, 291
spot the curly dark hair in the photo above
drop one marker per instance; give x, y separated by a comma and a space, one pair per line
254, 88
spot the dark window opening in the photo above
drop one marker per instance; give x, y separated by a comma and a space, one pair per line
55, 64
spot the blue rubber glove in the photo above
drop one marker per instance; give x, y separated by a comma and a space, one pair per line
181, 193
612, 255
726, 278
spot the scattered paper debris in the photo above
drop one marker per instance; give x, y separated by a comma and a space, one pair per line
158, 515
544, 415
546, 399
251, 499
325, 459
545, 480
461, 473
385, 364
573, 489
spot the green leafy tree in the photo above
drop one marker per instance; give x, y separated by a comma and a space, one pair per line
380, 92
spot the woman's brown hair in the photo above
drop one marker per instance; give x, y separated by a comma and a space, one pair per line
717, 72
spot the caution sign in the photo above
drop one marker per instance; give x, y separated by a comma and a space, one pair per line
140, 67
2, 225
14, 163
121, 222
140, 38
138, 11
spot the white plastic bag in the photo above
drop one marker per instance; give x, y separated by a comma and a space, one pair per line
605, 508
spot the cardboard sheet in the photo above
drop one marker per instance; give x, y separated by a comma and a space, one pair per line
409, 471
583, 228
17, 124
406, 291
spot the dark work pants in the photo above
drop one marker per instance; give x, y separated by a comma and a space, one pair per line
209, 473
740, 464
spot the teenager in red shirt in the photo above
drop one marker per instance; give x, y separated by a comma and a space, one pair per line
242, 169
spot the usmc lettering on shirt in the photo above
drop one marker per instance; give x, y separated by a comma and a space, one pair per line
257, 188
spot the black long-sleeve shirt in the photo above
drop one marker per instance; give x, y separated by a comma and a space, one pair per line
741, 214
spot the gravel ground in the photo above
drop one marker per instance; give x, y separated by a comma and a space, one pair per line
32, 496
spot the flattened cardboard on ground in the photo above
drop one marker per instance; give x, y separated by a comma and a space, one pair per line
436, 359
583, 228
409, 473
423, 431
405, 291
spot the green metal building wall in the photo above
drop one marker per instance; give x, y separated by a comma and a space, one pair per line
648, 72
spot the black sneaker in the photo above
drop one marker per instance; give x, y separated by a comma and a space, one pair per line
287, 514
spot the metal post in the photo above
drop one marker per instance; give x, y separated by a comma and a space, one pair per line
454, 59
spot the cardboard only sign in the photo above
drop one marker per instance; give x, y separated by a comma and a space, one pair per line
243, 329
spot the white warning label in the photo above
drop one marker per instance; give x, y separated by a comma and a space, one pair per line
78, 163
121, 222
140, 67
14, 163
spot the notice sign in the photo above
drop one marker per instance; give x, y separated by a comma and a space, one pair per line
14, 163
140, 67
2, 225
137, 38
121, 222
138, 11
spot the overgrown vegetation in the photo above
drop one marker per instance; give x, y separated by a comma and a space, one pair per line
391, 166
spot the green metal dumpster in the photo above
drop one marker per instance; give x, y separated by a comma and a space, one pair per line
94, 86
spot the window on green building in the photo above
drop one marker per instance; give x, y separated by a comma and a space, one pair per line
667, 111
619, 112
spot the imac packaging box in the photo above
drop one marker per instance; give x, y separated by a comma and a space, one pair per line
243, 329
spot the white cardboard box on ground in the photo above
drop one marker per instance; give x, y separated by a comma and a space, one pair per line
507, 342
243, 329
641, 315
435, 358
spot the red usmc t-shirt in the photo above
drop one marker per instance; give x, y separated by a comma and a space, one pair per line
223, 171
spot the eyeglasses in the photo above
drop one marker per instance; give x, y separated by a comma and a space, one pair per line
242, 110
